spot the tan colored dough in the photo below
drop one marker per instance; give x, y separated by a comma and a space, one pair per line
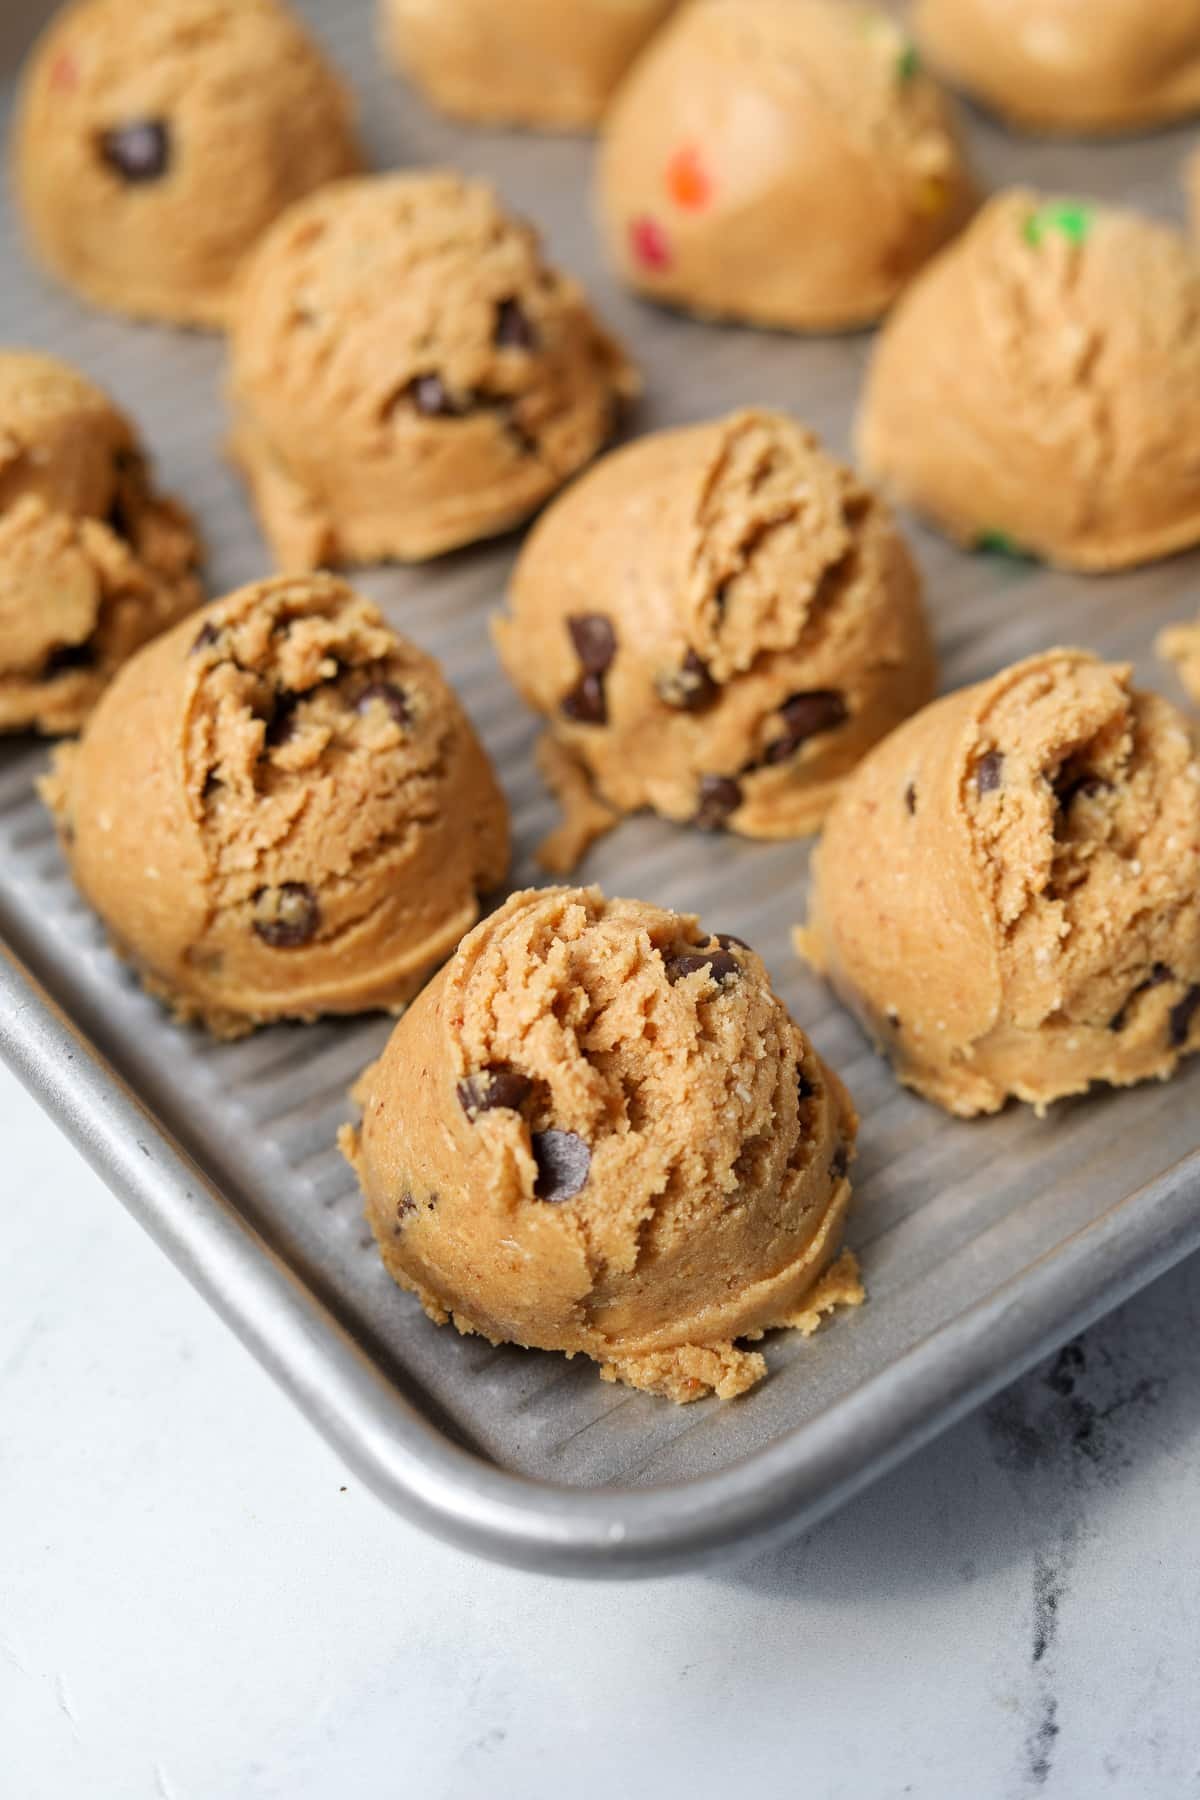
280, 810
1008, 891
1180, 644
785, 162
1090, 66
253, 118
1040, 386
356, 302
667, 1178
543, 63
93, 562
739, 569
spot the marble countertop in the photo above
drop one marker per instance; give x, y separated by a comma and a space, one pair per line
198, 1603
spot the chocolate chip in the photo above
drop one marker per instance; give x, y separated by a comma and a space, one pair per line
431, 396
910, 796
386, 694
404, 1207
70, 656
1069, 787
595, 641
719, 796
286, 917
720, 965
139, 151
841, 1162
595, 644
282, 723
563, 1161
513, 330
492, 1088
806, 716
1181, 1017
205, 638
521, 439
586, 703
804, 1087
726, 939
689, 687
1158, 974
989, 775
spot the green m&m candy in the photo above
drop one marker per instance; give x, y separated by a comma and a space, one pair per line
1072, 219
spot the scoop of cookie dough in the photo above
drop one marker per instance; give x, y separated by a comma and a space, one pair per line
785, 162
1039, 387
717, 622
528, 62
1008, 890
1069, 65
409, 374
598, 1131
1180, 645
157, 139
280, 809
92, 561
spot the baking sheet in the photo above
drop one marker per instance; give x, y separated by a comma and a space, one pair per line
981, 1242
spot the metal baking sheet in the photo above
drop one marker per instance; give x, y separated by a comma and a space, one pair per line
982, 1243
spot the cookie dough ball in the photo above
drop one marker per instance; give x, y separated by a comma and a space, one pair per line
1069, 65
1039, 387
157, 139
1180, 645
1008, 891
717, 622
785, 162
528, 62
598, 1131
409, 374
93, 562
280, 810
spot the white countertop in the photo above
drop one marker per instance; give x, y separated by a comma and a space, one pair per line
198, 1603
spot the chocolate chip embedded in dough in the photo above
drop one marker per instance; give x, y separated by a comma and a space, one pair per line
806, 716
513, 329
595, 644
282, 723
586, 703
208, 635
595, 641
70, 656
388, 695
1158, 974
1068, 788
286, 917
405, 1207
492, 1088
432, 398
563, 1163
139, 151
721, 966
688, 688
1181, 1016
719, 797
989, 774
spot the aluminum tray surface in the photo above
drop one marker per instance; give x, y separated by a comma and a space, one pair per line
982, 1243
